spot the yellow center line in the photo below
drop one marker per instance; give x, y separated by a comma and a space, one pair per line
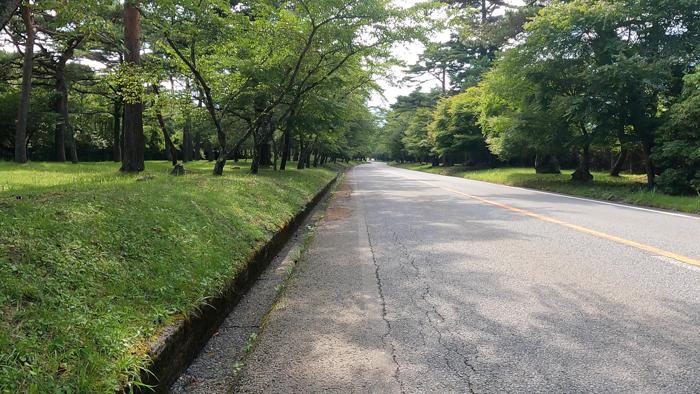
586, 230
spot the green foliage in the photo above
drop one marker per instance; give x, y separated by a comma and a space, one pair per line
454, 129
416, 141
120, 257
678, 151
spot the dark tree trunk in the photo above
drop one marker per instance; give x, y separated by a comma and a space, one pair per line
134, 140
307, 159
583, 172
116, 131
286, 147
649, 164
63, 130
209, 153
255, 162
219, 167
622, 157
619, 162
547, 164
72, 146
23, 113
198, 147
265, 154
309, 150
205, 91
301, 153
121, 135
275, 154
316, 159
170, 149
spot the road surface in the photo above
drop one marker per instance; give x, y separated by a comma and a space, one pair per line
421, 283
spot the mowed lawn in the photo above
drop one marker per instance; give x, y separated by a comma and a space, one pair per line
93, 263
629, 189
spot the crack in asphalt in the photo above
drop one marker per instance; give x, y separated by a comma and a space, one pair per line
465, 360
385, 337
466, 377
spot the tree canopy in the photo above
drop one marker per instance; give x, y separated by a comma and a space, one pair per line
580, 83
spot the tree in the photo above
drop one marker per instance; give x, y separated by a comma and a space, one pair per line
518, 118
678, 145
28, 63
415, 139
609, 66
133, 137
454, 130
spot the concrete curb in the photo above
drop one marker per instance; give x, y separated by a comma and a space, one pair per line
180, 343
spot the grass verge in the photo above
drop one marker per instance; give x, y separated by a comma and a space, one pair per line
628, 189
93, 263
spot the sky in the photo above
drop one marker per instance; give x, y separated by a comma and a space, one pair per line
410, 53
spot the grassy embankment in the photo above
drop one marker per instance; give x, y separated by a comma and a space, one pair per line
94, 263
629, 189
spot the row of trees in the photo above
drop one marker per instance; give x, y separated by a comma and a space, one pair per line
182, 79
570, 82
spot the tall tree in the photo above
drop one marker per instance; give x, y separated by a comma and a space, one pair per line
27, 65
133, 137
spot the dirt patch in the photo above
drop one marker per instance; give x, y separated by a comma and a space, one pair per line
338, 209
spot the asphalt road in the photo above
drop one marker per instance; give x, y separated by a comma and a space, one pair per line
420, 283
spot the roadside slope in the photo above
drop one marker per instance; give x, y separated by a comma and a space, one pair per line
94, 263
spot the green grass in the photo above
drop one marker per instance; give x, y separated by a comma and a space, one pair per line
629, 189
94, 263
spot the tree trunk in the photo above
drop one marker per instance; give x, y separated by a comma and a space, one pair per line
187, 130
63, 130
116, 132
198, 147
316, 159
619, 162
275, 154
170, 149
547, 164
649, 164
255, 163
134, 140
187, 139
286, 146
72, 146
265, 154
23, 113
301, 153
209, 154
307, 159
583, 173
59, 144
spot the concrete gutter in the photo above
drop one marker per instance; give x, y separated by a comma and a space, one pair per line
180, 343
